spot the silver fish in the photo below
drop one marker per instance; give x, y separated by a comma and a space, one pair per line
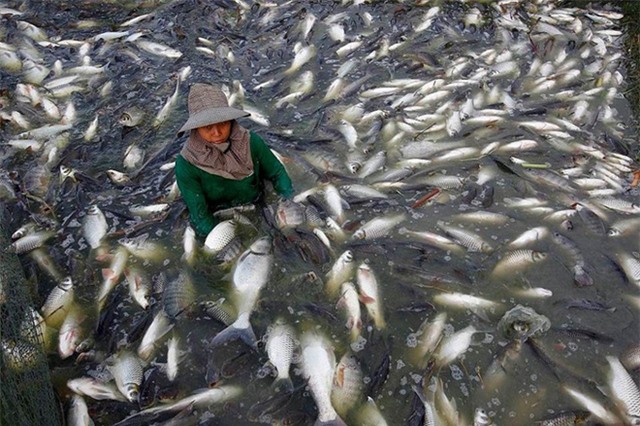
318, 367
280, 345
351, 305
348, 384
58, 303
78, 414
340, 272
126, 368
470, 240
94, 226
515, 261
95, 389
369, 291
379, 227
250, 274
220, 236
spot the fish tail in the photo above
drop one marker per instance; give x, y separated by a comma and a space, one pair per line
240, 329
283, 384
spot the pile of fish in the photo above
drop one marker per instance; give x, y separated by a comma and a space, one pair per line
462, 247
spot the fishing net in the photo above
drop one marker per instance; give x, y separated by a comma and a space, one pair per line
27, 396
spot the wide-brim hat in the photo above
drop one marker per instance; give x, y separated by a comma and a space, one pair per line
208, 105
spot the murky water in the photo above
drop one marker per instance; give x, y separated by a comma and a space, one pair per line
488, 60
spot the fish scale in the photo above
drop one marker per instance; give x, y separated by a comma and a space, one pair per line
624, 388
468, 239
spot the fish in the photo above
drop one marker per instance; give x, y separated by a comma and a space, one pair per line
280, 346
174, 357
475, 304
516, 261
95, 389
179, 295
78, 414
630, 265
623, 389
139, 285
348, 385
158, 49
378, 227
425, 340
126, 368
341, 272
594, 406
189, 245
220, 236
144, 247
318, 368
350, 303
111, 275
369, 414
369, 291
451, 347
131, 117
71, 332
91, 130
470, 240
148, 210
167, 108
152, 338
303, 54
250, 274
94, 226
30, 241
58, 303
200, 399
529, 237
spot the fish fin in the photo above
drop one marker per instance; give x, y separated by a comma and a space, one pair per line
234, 332
339, 379
350, 323
366, 299
283, 384
138, 282
108, 273
340, 303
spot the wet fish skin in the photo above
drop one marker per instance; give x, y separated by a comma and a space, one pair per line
473, 242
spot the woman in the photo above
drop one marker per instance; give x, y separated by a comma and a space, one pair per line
222, 164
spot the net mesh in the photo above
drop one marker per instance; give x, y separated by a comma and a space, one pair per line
27, 396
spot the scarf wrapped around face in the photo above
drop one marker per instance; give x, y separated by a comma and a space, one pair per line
232, 160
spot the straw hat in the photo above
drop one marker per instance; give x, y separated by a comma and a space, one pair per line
208, 105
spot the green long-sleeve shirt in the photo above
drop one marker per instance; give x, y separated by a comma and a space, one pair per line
204, 193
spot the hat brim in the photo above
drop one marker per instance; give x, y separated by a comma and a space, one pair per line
212, 116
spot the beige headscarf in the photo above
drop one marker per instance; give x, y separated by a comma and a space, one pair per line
234, 162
